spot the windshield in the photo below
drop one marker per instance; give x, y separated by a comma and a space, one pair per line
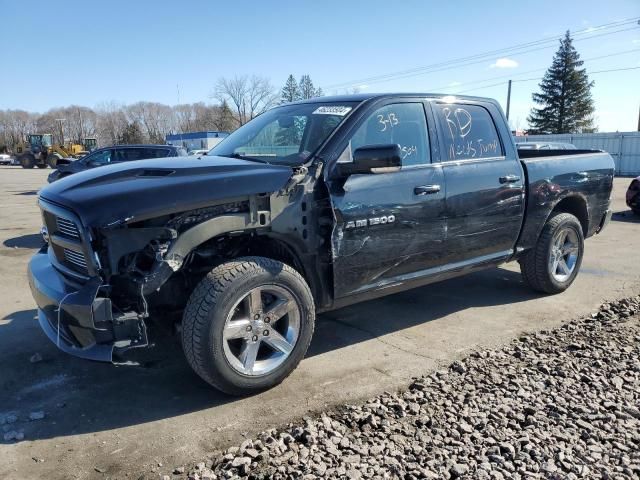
286, 135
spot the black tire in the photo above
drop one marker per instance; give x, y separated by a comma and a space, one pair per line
206, 313
27, 161
534, 265
42, 165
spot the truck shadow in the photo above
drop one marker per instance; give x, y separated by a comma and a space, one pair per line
626, 216
80, 397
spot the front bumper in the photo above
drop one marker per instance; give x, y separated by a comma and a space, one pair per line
76, 319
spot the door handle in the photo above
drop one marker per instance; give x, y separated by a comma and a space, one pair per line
426, 189
509, 179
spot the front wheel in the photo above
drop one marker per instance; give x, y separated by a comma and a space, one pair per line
248, 324
553, 264
27, 161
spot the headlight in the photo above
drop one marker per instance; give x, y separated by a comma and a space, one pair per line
45, 234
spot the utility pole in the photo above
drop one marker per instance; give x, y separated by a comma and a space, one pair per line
508, 99
639, 119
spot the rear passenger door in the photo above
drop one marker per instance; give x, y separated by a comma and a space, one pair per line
484, 182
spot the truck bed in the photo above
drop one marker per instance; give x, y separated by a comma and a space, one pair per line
552, 175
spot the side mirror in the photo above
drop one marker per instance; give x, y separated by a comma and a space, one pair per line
372, 159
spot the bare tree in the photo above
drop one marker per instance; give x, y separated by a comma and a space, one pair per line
111, 123
248, 96
156, 119
16, 124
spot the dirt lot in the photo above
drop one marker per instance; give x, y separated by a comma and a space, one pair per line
103, 421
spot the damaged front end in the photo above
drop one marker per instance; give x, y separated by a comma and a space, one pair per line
74, 308
95, 287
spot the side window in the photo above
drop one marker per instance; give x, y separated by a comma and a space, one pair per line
468, 132
154, 153
122, 155
99, 158
400, 123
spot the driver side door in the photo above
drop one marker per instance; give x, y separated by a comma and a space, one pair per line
390, 227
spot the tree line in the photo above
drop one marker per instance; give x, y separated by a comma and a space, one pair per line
238, 100
111, 123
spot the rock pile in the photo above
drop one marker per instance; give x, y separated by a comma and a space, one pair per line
553, 404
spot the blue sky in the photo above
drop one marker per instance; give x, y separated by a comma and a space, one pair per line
126, 51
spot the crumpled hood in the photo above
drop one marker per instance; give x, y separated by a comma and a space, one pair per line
145, 189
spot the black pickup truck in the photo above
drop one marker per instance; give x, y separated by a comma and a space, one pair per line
309, 207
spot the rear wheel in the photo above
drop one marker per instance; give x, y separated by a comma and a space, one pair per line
42, 165
27, 161
553, 264
248, 324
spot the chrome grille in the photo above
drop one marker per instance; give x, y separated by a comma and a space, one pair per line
75, 258
67, 227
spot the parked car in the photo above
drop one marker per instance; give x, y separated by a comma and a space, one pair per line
5, 159
309, 207
633, 196
112, 155
197, 153
545, 146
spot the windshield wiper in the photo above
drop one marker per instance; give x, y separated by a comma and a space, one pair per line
244, 157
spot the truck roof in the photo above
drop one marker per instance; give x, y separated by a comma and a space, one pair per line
361, 97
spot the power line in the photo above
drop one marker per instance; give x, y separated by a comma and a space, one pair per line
588, 73
540, 78
483, 60
505, 50
511, 75
464, 61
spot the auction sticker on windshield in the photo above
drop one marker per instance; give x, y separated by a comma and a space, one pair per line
332, 110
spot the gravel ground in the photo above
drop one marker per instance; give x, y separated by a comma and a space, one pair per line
553, 404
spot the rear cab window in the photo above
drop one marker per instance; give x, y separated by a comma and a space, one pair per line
468, 132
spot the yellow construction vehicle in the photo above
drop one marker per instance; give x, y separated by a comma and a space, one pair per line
34, 152
40, 151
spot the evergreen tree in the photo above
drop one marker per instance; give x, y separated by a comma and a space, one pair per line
225, 121
319, 92
132, 134
565, 95
290, 91
307, 90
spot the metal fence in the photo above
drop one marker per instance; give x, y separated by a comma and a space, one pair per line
624, 147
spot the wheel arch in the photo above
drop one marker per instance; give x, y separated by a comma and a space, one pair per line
271, 245
575, 205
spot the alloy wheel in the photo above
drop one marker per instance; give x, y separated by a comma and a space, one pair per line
261, 330
564, 254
